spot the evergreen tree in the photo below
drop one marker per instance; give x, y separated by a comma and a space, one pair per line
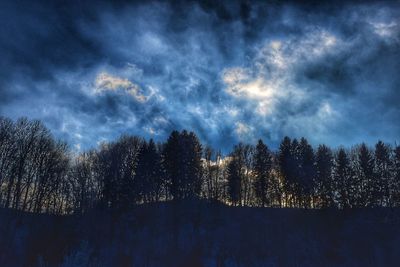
324, 164
118, 163
182, 157
262, 171
284, 158
287, 165
365, 186
172, 164
381, 183
234, 180
193, 162
296, 172
307, 171
149, 173
394, 186
342, 176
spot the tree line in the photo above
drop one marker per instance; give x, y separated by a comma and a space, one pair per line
40, 174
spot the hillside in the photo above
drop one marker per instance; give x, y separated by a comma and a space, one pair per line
202, 234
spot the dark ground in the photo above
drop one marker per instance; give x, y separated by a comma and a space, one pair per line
202, 234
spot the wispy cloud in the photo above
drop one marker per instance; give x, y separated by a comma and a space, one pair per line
107, 82
328, 72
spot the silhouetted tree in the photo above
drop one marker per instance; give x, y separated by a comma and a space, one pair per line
52, 176
118, 163
364, 190
287, 164
182, 159
341, 177
324, 164
84, 182
7, 157
262, 171
234, 172
39, 174
212, 174
149, 175
246, 153
172, 162
239, 172
306, 171
32, 167
27, 135
382, 179
394, 186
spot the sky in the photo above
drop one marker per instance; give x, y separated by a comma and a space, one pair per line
232, 71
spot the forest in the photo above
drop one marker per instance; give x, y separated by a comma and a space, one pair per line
199, 133
40, 174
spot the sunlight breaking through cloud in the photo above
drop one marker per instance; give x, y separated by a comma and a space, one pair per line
271, 78
107, 82
280, 69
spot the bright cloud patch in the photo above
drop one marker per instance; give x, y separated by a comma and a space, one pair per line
244, 131
107, 82
385, 30
270, 80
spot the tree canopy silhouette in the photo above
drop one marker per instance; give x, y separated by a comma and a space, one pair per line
40, 174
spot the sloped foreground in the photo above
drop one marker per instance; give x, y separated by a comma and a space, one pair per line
202, 234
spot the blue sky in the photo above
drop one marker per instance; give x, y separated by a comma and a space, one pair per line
230, 71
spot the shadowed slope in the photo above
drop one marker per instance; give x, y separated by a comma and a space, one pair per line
202, 234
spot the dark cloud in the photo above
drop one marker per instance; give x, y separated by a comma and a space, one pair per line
230, 70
